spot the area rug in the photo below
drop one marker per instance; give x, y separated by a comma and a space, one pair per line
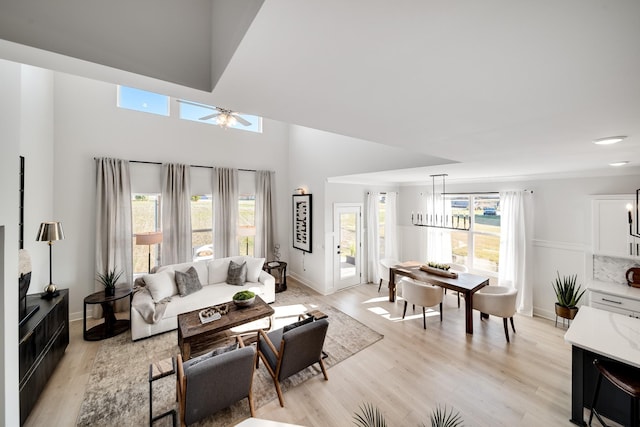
117, 393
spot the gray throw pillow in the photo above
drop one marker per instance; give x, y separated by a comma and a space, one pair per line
296, 324
192, 362
188, 282
237, 273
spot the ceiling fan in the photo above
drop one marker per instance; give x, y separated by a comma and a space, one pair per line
225, 117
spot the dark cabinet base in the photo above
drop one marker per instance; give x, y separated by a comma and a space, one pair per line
43, 341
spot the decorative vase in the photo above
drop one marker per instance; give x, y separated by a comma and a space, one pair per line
566, 312
110, 291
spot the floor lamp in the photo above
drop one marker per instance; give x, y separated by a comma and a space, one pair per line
150, 238
50, 232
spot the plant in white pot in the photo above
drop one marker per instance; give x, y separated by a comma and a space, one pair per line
109, 280
568, 296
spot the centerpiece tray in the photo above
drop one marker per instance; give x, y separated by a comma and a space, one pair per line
438, 271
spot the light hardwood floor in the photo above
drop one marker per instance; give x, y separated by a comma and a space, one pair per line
406, 374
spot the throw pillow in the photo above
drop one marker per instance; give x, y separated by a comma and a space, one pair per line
254, 267
296, 324
217, 270
192, 362
237, 273
188, 282
161, 285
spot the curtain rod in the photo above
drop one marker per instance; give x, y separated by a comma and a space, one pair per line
193, 166
382, 192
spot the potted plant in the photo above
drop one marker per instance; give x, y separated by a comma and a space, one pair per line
109, 280
567, 295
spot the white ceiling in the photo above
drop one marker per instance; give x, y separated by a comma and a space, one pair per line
508, 89
499, 89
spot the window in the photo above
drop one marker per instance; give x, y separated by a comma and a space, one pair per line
195, 112
201, 226
145, 209
141, 100
246, 224
478, 248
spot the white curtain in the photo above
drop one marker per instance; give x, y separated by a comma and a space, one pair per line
390, 226
513, 243
265, 226
225, 212
176, 214
438, 239
373, 237
114, 240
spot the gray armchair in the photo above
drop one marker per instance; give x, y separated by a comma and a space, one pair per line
287, 351
211, 382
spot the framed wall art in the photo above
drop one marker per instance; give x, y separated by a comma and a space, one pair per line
302, 222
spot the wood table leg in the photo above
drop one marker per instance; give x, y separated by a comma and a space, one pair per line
392, 285
468, 312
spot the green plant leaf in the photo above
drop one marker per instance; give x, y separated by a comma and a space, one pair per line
369, 416
441, 417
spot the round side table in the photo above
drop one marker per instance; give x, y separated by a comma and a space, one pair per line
278, 269
111, 326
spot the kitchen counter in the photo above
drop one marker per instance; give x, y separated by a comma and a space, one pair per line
604, 335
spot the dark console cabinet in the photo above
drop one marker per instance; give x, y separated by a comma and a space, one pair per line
43, 340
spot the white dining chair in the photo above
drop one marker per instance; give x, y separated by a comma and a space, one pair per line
498, 301
383, 269
422, 294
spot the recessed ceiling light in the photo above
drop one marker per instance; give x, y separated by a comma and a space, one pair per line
618, 163
609, 140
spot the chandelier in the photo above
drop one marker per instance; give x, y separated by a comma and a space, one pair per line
440, 218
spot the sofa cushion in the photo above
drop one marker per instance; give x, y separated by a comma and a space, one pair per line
188, 282
218, 269
254, 267
161, 285
237, 273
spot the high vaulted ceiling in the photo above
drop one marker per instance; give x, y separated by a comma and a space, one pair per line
501, 89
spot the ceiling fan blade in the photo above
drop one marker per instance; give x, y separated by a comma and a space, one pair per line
210, 116
241, 119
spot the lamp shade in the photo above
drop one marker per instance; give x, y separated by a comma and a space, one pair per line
150, 238
50, 231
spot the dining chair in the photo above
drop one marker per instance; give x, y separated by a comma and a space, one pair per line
458, 268
384, 265
498, 301
420, 293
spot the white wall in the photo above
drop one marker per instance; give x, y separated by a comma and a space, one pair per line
26, 128
561, 237
10, 116
314, 157
88, 124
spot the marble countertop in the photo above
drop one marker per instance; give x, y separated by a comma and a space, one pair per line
622, 290
609, 334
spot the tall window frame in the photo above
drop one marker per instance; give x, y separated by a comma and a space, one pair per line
479, 247
146, 217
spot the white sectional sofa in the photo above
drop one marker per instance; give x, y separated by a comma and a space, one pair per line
157, 301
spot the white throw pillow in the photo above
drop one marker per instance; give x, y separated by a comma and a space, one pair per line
218, 269
161, 285
254, 267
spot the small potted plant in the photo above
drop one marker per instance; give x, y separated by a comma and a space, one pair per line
567, 295
109, 280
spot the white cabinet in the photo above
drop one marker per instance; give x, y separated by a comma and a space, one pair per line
615, 298
611, 227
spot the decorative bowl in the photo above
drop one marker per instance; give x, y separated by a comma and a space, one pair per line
244, 302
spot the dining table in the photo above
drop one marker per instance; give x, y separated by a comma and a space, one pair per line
465, 283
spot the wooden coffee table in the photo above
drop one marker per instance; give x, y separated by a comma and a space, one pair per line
194, 337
